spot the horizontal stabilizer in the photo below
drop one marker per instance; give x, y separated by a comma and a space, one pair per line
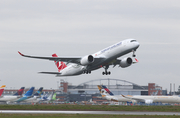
50, 73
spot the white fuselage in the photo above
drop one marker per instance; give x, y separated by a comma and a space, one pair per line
146, 99
33, 99
117, 98
9, 98
162, 99
105, 56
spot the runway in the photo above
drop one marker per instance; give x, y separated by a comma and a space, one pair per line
87, 112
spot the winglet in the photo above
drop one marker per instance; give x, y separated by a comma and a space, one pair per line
20, 53
136, 61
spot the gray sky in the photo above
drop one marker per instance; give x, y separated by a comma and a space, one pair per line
82, 27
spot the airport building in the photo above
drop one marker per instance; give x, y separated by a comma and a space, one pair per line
89, 90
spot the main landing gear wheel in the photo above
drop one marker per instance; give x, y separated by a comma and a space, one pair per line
106, 72
87, 72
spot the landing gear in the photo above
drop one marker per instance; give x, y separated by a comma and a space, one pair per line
134, 55
87, 72
106, 72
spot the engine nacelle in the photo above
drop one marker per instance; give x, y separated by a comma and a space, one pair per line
126, 62
148, 101
87, 60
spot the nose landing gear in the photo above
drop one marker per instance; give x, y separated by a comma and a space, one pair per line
134, 55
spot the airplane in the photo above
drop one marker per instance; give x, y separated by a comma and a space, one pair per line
10, 98
108, 95
35, 96
103, 58
27, 95
143, 99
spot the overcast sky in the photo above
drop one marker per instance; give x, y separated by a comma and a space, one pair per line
82, 27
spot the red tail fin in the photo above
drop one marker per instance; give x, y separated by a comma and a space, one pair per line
59, 65
2, 89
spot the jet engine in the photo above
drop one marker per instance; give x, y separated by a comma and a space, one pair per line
125, 62
87, 60
148, 101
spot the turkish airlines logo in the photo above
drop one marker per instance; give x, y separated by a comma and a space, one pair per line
59, 65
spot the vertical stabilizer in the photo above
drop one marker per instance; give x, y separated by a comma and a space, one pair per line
60, 65
2, 89
107, 90
102, 91
54, 96
38, 93
50, 96
29, 92
19, 92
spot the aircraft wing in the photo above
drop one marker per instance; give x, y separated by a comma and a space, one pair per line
132, 98
58, 74
50, 72
64, 59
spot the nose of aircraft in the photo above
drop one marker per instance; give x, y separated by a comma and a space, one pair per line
137, 44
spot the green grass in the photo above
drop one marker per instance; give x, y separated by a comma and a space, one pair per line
91, 108
80, 116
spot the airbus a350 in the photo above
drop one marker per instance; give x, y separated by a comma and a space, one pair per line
103, 58
107, 94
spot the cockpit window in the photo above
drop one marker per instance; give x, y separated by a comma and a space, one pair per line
133, 41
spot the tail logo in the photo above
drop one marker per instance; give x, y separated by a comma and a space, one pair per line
107, 90
60, 65
20, 91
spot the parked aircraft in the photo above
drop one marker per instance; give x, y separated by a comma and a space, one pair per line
35, 96
10, 98
144, 99
106, 94
27, 95
104, 58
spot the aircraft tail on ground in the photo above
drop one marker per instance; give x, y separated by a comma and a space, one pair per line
102, 91
54, 96
107, 90
29, 92
2, 89
20, 91
60, 65
50, 96
38, 93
